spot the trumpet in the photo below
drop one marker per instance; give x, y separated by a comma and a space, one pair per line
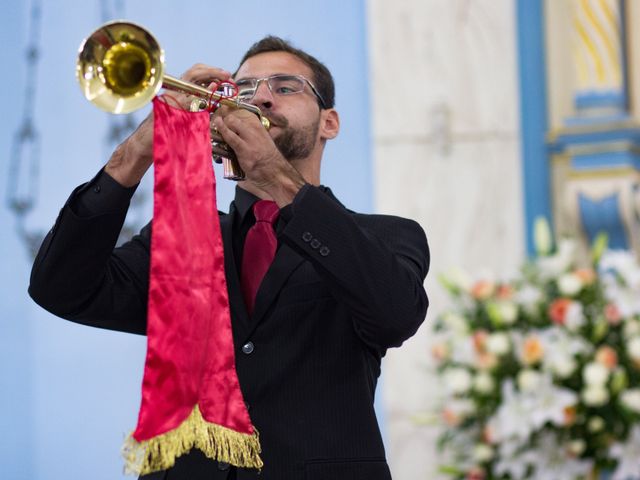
120, 68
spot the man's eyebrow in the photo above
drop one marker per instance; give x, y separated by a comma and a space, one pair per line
270, 75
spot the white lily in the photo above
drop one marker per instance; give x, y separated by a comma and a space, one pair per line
628, 456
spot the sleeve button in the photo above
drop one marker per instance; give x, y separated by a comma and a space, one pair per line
315, 244
307, 237
324, 251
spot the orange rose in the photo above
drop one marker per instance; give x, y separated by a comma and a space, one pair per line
532, 350
505, 292
487, 435
480, 340
587, 275
487, 361
569, 416
607, 356
476, 473
451, 417
612, 314
558, 310
440, 351
482, 289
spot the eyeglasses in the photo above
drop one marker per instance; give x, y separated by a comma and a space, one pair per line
278, 85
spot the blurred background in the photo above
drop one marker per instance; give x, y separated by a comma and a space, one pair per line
470, 116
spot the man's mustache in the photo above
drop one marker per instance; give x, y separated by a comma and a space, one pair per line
278, 120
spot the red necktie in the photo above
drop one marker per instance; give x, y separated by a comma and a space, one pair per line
259, 250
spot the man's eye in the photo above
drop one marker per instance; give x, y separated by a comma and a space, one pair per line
284, 90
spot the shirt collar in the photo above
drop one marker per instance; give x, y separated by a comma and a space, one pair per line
243, 201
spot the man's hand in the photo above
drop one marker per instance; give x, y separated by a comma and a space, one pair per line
264, 166
134, 156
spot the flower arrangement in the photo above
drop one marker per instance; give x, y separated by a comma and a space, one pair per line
541, 374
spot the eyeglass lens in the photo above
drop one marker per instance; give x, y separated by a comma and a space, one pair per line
278, 84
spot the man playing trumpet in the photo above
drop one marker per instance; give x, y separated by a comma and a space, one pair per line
310, 332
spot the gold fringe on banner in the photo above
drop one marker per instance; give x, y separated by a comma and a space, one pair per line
216, 442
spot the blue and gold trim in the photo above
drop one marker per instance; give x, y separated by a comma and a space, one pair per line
533, 114
585, 173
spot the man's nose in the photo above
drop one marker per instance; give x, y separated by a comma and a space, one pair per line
263, 97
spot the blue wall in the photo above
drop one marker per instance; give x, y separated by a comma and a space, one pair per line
69, 394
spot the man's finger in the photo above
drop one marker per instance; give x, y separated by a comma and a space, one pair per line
205, 75
229, 136
243, 123
221, 149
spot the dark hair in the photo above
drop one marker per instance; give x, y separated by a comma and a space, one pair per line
322, 78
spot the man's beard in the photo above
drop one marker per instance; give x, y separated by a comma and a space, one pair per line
296, 143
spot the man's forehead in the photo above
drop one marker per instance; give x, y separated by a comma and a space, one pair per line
271, 63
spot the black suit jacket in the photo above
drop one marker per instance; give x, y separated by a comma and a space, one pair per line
342, 289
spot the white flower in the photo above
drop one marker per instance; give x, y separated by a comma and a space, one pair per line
511, 422
552, 462
561, 351
459, 279
564, 366
547, 459
457, 380
529, 297
621, 277
522, 413
574, 318
570, 284
456, 410
498, 343
549, 403
595, 395
528, 380
626, 299
631, 329
623, 263
456, 323
508, 312
577, 447
595, 424
595, 374
484, 383
462, 350
482, 453
511, 462
555, 265
628, 456
633, 348
631, 399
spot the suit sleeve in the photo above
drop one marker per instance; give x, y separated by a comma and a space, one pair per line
79, 276
374, 264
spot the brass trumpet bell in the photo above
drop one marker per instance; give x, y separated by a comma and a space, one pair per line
120, 67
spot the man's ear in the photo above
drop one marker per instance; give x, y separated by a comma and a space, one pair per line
329, 124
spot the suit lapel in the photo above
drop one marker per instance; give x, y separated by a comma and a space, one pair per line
284, 264
236, 302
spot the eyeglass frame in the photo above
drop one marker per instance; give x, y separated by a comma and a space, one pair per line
301, 77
